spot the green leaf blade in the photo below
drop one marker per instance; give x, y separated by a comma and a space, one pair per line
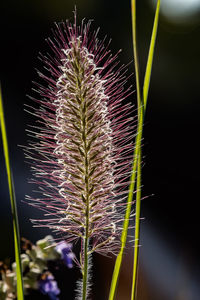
141, 116
136, 167
150, 55
20, 294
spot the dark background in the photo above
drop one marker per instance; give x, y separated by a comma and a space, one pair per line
169, 256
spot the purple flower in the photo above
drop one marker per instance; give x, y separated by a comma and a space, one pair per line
65, 249
48, 286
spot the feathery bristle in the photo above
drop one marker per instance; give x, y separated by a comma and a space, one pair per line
82, 157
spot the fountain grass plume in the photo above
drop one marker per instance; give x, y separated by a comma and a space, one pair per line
82, 153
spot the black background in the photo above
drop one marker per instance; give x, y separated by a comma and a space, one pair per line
169, 257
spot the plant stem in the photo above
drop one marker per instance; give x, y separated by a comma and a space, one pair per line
86, 241
87, 212
85, 269
135, 163
141, 111
137, 151
127, 214
20, 295
140, 129
137, 227
148, 70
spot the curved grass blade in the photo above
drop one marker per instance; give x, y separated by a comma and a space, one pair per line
134, 166
137, 156
150, 56
127, 216
144, 102
13, 204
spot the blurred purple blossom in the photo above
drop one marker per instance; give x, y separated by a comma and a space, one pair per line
48, 286
65, 249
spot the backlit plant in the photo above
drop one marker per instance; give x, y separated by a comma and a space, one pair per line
82, 155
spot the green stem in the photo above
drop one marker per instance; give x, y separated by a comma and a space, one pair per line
140, 119
137, 228
140, 128
20, 295
127, 214
150, 56
136, 62
86, 238
85, 269
87, 212
137, 152
134, 166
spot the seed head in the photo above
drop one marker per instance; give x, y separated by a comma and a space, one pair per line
82, 155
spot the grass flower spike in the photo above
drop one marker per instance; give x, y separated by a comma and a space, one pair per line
81, 158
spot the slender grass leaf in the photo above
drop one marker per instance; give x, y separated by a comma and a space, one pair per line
137, 156
13, 204
144, 102
150, 56
134, 166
